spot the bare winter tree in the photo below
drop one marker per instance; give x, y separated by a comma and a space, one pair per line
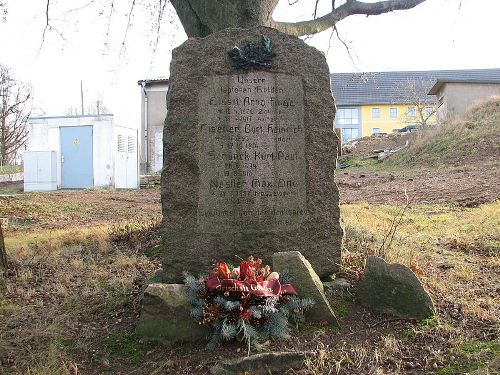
96, 108
15, 108
3, 10
201, 18
421, 107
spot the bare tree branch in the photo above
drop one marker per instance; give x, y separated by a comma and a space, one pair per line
336, 30
351, 7
15, 108
130, 14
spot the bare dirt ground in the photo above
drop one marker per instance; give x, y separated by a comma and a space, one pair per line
55, 210
468, 188
72, 295
367, 146
82, 208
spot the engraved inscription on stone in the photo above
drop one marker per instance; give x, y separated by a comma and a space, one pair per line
251, 153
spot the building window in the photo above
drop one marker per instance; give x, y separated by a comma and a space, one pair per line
411, 112
348, 134
376, 130
347, 116
394, 112
429, 111
348, 119
375, 112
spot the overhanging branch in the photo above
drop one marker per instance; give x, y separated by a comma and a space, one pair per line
351, 7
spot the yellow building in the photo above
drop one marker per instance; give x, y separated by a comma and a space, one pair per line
382, 102
387, 118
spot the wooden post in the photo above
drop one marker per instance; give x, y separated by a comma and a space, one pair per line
3, 252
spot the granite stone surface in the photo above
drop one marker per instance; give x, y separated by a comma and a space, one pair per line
393, 289
249, 156
307, 284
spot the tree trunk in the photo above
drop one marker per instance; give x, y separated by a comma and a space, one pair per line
204, 17
3, 252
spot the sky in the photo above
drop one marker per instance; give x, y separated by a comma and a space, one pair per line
92, 44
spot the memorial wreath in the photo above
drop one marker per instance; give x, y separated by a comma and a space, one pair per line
248, 302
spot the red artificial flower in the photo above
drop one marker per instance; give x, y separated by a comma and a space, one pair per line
246, 314
249, 269
223, 271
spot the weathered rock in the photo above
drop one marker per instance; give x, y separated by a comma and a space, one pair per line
337, 284
265, 363
165, 316
249, 156
393, 289
307, 284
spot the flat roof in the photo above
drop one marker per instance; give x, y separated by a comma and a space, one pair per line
441, 82
152, 81
75, 116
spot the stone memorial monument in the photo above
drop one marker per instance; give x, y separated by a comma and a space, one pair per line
249, 153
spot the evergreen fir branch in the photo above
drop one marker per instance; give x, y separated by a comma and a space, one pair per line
197, 313
276, 326
228, 330
284, 311
216, 335
192, 283
226, 304
297, 306
249, 333
193, 298
270, 306
256, 312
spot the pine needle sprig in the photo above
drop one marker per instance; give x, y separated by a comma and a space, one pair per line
226, 304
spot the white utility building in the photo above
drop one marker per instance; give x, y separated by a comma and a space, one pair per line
77, 152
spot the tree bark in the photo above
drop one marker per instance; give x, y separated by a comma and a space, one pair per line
203, 17
3, 252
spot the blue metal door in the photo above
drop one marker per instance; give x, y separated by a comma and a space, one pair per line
76, 157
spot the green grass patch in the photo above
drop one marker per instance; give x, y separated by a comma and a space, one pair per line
341, 303
357, 162
490, 348
431, 322
8, 169
127, 346
460, 368
153, 251
5, 191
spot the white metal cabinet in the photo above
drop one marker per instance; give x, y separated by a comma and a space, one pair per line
40, 171
126, 160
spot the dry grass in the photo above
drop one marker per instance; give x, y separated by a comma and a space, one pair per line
462, 141
65, 290
71, 299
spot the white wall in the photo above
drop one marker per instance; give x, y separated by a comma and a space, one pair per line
43, 135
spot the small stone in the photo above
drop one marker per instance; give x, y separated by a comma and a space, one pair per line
166, 316
265, 363
337, 284
393, 289
307, 284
